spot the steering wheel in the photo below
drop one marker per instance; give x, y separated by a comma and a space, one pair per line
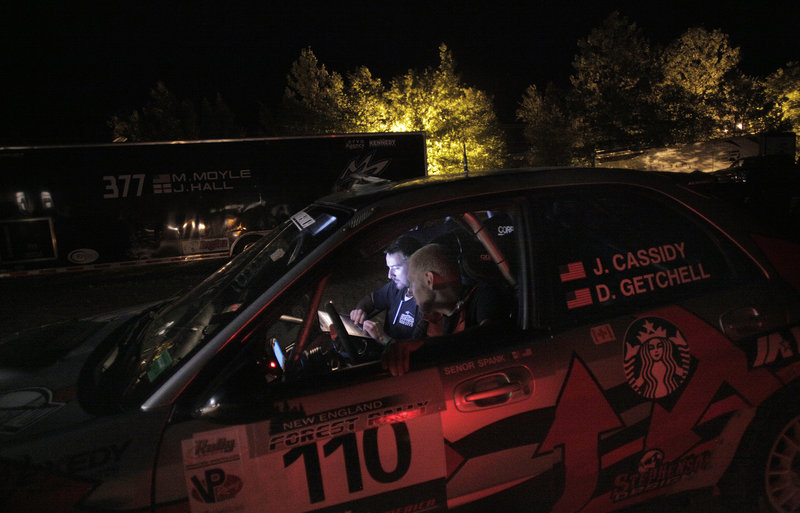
341, 331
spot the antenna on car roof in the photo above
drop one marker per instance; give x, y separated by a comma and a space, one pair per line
466, 168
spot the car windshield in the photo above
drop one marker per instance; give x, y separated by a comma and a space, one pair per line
180, 327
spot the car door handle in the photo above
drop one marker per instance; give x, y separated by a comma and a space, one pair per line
746, 322
498, 388
504, 390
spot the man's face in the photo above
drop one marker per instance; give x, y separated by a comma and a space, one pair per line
423, 294
398, 269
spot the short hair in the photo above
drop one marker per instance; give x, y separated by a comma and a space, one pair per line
404, 244
435, 258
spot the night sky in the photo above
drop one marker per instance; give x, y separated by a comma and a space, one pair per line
69, 66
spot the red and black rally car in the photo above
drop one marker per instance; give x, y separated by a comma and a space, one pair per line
654, 351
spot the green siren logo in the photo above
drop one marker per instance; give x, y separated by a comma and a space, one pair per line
657, 357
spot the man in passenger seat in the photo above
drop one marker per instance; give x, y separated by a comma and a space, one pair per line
448, 306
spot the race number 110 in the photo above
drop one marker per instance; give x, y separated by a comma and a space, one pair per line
348, 444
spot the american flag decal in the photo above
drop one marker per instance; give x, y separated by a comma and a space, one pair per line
573, 271
579, 298
162, 184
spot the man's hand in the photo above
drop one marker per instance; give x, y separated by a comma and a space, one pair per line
375, 330
358, 316
397, 353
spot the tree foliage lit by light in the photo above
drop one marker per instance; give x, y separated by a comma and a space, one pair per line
698, 61
783, 88
626, 93
458, 120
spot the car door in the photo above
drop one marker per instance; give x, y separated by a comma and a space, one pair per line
327, 436
638, 391
335, 433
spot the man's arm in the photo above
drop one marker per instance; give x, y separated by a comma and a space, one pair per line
362, 309
491, 324
472, 341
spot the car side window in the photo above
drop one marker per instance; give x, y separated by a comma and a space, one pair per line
613, 249
292, 346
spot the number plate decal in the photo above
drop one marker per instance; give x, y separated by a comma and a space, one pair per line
353, 466
383, 448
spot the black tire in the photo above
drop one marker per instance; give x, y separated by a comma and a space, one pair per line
781, 467
767, 471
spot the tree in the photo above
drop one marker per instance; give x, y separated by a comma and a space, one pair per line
782, 89
366, 108
458, 121
699, 61
217, 120
167, 118
701, 93
313, 100
551, 134
163, 118
627, 94
612, 85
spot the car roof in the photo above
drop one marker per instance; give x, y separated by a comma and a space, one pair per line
384, 198
504, 180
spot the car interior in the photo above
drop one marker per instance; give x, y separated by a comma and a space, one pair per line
297, 348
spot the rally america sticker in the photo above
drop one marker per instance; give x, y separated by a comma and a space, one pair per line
657, 357
214, 470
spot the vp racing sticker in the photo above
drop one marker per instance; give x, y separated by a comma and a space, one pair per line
657, 357
214, 470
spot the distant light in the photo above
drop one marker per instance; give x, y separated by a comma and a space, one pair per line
47, 200
23, 204
739, 126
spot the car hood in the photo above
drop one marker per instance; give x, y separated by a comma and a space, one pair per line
39, 371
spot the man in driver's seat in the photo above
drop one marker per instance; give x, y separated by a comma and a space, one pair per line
474, 313
393, 298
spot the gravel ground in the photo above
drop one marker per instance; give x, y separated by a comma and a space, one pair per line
30, 301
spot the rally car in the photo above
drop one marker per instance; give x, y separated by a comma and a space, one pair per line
651, 350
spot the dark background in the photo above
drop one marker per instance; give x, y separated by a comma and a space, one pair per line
69, 66
41, 299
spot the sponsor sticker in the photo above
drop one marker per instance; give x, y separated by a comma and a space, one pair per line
654, 473
657, 357
603, 334
779, 347
378, 451
214, 471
